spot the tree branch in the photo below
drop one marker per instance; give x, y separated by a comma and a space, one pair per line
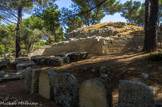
92, 8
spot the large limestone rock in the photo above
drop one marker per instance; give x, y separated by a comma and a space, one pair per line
46, 79
135, 94
23, 65
66, 90
35, 81
95, 93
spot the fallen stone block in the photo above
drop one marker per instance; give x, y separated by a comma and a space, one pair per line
95, 93
74, 56
23, 65
43, 61
84, 55
135, 94
66, 59
64, 56
46, 79
40, 60
66, 90
77, 56
71, 56
57, 61
48, 60
18, 60
36, 59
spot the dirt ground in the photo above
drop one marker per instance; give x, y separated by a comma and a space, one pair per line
120, 66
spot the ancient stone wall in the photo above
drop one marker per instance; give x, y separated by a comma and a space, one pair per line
95, 44
102, 38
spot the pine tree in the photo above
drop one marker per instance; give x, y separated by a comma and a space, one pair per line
151, 19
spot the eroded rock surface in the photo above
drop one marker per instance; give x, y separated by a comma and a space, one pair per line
135, 94
66, 90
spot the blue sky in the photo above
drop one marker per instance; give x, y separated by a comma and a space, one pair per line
107, 18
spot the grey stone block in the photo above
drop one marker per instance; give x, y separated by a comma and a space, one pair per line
57, 61
95, 93
66, 90
28, 79
135, 94
23, 65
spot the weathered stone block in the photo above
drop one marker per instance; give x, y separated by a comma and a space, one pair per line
36, 58
40, 60
66, 90
83, 55
57, 61
65, 57
77, 56
23, 65
135, 94
95, 93
46, 79
28, 79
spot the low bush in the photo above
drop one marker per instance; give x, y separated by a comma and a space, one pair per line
155, 57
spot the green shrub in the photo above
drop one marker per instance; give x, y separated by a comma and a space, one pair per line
155, 57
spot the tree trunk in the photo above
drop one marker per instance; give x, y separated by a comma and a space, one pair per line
19, 22
151, 18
